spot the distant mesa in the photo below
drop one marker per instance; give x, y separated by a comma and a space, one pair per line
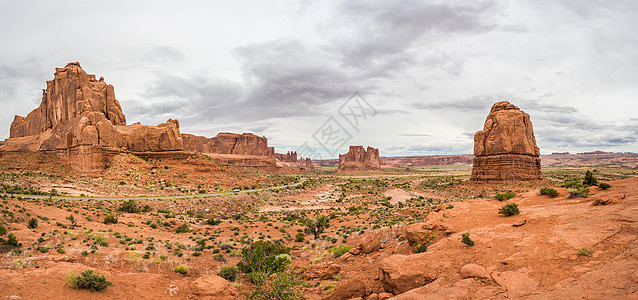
359, 158
506, 147
229, 143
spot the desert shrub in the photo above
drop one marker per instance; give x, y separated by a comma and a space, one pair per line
181, 269
101, 240
550, 192
585, 251
466, 238
213, 221
11, 240
590, 179
509, 209
219, 257
263, 256
110, 219
228, 272
33, 223
300, 237
505, 196
3, 230
341, 250
422, 246
129, 206
183, 228
88, 280
317, 226
60, 250
578, 192
285, 285
604, 185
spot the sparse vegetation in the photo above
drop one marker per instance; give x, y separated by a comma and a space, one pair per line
466, 239
422, 246
585, 252
88, 280
604, 186
509, 209
505, 196
549, 192
229, 273
578, 192
110, 219
33, 223
181, 269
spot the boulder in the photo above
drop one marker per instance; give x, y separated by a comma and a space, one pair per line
474, 271
323, 271
401, 273
359, 158
213, 287
369, 244
506, 147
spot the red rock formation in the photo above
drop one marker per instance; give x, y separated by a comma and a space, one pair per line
229, 143
306, 163
291, 156
79, 111
506, 148
359, 158
432, 160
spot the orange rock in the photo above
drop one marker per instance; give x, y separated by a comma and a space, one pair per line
359, 158
229, 143
506, 147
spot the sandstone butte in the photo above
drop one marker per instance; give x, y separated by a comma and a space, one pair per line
80, 119
359, 158
506, 148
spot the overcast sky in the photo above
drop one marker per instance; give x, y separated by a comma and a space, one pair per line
425, 73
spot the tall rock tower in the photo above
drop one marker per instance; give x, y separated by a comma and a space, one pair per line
506, 148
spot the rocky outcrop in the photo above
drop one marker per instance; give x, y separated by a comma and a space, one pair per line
291, 156
506, 148
79, 111
359, 158
229, 143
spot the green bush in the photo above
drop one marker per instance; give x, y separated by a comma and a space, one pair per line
183, 228
129, 206
285, 285
509, 209
578, 192
590, 179
213, 221
88, 280
505, 196
317, 226
11, 240
422, 246
550, 192
585, 252
466, 238
33, 223
229, 273
263, 256
341, 250
110, 219
101, 240
3, 230
603, 185
300, 237
181, 269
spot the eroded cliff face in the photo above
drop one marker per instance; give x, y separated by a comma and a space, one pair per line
229, 143
79, 111
506, 147
359, 158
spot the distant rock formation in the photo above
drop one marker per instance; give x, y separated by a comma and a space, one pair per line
506, 148
291, 156
78, 111
306, 163
359, 158
432, 160
229, 143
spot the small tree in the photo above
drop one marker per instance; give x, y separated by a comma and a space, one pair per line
71, 218
317, 226
590, 179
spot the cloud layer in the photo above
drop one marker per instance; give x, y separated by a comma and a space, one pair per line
430, 69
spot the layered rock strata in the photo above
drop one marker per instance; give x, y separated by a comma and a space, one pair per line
79, 111
506, 147
359, 158
229, 143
